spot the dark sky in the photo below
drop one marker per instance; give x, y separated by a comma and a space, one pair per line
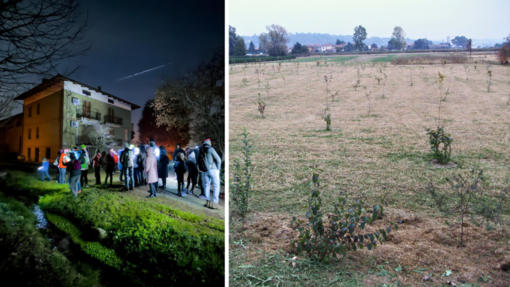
129, 36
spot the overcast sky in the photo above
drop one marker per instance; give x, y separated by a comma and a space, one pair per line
431, 19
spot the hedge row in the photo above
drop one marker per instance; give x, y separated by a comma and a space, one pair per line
250, 59
163, 245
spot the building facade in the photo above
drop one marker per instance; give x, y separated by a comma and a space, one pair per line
61, 112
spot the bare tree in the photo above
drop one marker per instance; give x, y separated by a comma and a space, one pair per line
275, 40
468, 46
36, 36
198, 100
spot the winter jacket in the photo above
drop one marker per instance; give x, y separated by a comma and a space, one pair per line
45, 165
151, 168
61, 161
141, 158
135, 159
212, 159
109, 162
85, 165
192, 163
164, 161
129, 153
96, 160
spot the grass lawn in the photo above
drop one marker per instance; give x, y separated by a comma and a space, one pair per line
152, 242
377, 146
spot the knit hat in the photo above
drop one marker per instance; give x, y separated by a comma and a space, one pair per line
83, 146
75, 147
207, 141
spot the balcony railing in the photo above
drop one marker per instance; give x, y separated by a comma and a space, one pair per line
91, 115
113, 120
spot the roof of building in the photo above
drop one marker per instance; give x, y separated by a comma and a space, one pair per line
56, 79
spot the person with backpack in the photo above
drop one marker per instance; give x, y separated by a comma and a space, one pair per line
59, 162
192, 170
96, 164
180, 169
79, 156
126, 158
209, 164
151, 169
74, 167
85, 160
44, 170
109, 166
164, 161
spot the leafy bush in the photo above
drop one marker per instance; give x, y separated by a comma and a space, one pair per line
241, 179
440, 144
327, 119
466, 198
26, 257
342, 234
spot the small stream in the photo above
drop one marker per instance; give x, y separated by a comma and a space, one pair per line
42, 222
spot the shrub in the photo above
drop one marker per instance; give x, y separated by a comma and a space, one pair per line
466, 198
429, 60
440, 144
257, 59
241, 178
343, 233
327, 119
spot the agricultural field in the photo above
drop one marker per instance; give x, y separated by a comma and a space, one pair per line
377, 147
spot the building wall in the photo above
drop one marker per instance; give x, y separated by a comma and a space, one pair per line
98, 104
49, 122
11, 137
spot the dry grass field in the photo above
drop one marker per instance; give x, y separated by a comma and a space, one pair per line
378, 146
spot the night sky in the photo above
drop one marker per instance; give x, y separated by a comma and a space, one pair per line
128, 37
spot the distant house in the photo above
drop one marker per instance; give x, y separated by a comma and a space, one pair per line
340, 48
327, 48
439, 46
60, 112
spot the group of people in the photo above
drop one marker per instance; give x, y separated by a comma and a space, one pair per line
77, 161
142, 166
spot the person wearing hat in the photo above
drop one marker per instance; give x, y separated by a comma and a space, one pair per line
126, 158
85, 161
109, 166
44, 170
209, 164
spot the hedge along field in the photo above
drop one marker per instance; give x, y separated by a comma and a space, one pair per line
378, 146
152, 243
